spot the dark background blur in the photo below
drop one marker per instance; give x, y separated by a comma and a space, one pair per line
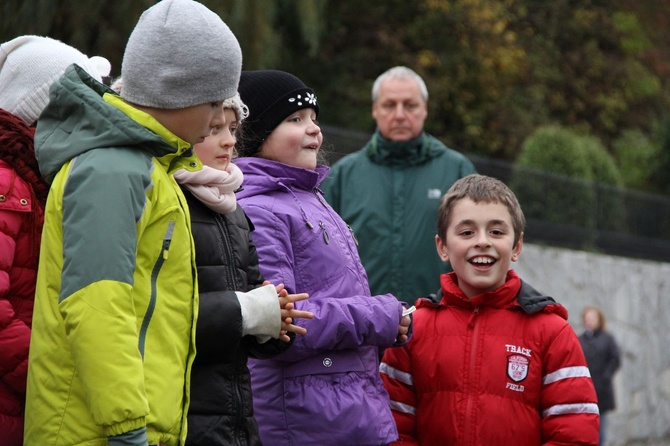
496, 70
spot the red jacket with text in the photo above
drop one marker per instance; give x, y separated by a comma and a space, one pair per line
503, 367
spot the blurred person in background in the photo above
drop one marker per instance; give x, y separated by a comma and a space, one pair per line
389, 191
603, 358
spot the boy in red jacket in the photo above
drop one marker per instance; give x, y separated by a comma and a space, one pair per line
492, 360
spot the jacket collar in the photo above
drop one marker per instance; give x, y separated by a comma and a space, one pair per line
263, 175
400, 153
514, 293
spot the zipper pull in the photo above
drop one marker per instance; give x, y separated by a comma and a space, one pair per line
352, 234
475, 313
317, 192
325, 234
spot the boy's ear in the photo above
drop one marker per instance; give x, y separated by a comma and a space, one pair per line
516, 251
441, 249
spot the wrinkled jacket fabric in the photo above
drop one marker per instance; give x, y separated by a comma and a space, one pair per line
603, 358
21, 217
326, 388
500, 368
389, 193
221, 410
113, 326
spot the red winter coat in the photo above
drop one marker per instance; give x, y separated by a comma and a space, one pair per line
501, 368
21, 219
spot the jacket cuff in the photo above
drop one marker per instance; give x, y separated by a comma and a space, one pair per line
261, 315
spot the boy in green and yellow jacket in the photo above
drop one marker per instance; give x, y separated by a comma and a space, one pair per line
116, 299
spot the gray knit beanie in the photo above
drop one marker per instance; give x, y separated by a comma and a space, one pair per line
180, 54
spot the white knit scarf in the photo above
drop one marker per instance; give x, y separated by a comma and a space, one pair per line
213, 187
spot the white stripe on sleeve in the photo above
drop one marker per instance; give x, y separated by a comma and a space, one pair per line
396, 374
563, 409
565, 373
402, 407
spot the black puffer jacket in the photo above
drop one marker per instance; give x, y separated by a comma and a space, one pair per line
221, 411
603, 357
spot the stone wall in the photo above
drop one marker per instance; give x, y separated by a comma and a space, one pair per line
635, 297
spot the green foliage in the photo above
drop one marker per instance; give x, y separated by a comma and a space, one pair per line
660, 175
496, 69
636, 156
565, 198
585, 190
609, 205
634, 40
556, 150
601, 164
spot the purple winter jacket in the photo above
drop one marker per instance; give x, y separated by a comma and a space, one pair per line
326, 388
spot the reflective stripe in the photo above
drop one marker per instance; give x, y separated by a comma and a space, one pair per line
565, 373
396, 374
402, 407
563, 409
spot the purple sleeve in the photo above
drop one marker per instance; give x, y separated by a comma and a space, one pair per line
340, 322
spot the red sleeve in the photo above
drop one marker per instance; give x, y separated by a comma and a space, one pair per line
396, 373
568, 402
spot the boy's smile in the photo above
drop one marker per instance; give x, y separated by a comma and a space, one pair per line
480, 245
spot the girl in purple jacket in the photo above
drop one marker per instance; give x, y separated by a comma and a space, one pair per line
326, 388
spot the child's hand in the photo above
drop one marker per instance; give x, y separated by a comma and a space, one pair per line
289, 313
403, 329
279, 287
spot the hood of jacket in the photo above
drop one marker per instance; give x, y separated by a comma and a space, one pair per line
82, 120
262, 176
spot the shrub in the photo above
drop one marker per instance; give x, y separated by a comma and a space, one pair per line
571, 181
609, 205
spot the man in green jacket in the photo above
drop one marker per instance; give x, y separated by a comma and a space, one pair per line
389, 191
116, 298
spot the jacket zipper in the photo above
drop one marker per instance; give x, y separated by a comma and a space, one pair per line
227, 251
352, 234
165, 249
239, 422
229, 260
468, 430
326, 237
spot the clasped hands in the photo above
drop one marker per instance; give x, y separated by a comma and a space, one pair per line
289, 313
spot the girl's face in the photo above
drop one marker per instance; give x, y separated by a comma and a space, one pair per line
295, 141
480, 245
217, 149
